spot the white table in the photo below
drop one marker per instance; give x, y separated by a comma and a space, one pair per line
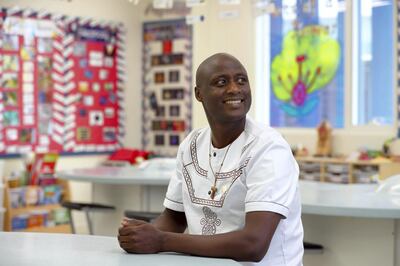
61, 249
354, 200
331, 212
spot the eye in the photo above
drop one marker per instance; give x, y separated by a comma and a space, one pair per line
220, 82
242, 80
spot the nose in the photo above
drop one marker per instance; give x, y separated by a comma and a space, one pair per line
233, 88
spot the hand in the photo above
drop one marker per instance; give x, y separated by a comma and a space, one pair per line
136, 236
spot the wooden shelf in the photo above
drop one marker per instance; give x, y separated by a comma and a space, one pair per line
50, 207
62, 228
384, 168
12, 212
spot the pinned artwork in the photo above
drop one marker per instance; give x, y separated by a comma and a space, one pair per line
10, 63
10, 81
83, 133
109, 134
96, 118
59, 82
168, 61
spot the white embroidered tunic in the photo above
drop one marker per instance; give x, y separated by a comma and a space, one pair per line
259, 173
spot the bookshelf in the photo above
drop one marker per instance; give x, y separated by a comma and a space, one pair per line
341, 171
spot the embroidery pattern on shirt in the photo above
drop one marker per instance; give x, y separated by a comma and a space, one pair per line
214, 203
209, 222
193, 153
246, 146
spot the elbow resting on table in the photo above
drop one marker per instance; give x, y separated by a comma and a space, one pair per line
251, 249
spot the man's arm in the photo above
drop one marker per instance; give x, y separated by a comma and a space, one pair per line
248, 244
171, 221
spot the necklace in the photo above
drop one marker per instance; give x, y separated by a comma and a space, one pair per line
213, 188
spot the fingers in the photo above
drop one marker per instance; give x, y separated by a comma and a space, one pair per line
129, 221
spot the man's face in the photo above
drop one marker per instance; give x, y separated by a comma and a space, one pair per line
224, 90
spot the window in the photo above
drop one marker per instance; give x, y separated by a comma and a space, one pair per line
303, 55
373, 65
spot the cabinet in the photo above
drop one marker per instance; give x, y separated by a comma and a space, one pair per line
37, 208
342, 171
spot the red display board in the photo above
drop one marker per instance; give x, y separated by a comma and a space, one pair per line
61, 83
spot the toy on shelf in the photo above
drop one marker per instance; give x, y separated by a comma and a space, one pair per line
324, 144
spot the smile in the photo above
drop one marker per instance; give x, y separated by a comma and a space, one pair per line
233, 101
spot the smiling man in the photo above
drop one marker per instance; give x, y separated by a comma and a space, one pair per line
235, 187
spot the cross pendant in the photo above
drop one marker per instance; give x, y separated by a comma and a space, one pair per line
213, 191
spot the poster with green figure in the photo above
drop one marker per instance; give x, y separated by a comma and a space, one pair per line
308, 61
306, 64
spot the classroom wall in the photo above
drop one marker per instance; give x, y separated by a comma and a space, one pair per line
113, 10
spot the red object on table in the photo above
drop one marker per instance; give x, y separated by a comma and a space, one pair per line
129, 155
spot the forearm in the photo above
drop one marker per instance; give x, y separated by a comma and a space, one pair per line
170, 221
236, 245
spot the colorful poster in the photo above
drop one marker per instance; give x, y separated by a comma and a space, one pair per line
307, 63
61, 83
167, 87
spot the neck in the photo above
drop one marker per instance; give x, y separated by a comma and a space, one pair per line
223, 134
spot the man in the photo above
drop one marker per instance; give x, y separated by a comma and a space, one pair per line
235, 186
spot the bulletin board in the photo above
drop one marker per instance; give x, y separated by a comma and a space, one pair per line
61, 83
167, 85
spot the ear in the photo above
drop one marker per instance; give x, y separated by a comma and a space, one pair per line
197, 93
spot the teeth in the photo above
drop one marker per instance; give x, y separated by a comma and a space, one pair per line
233, 102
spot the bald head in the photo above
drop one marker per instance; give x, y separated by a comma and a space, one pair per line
212, 64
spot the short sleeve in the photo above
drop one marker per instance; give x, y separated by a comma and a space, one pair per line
272, 178
173, 198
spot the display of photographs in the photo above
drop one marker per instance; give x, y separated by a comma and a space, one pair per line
160, 112
44, 45
10, 43
109, 134
10, 98
79, 49
11, 118
10, 81
168, 125
166, 59
27, 135
27, 53
44, 63
159, 77
10, 63
159, 140
172, 94
174, 76
178, 125
174, 140
83, 133
174, 110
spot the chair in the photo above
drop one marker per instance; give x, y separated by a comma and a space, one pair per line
87, 208
313, 248
141, 215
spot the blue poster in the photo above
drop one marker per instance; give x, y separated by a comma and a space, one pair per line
307, 63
